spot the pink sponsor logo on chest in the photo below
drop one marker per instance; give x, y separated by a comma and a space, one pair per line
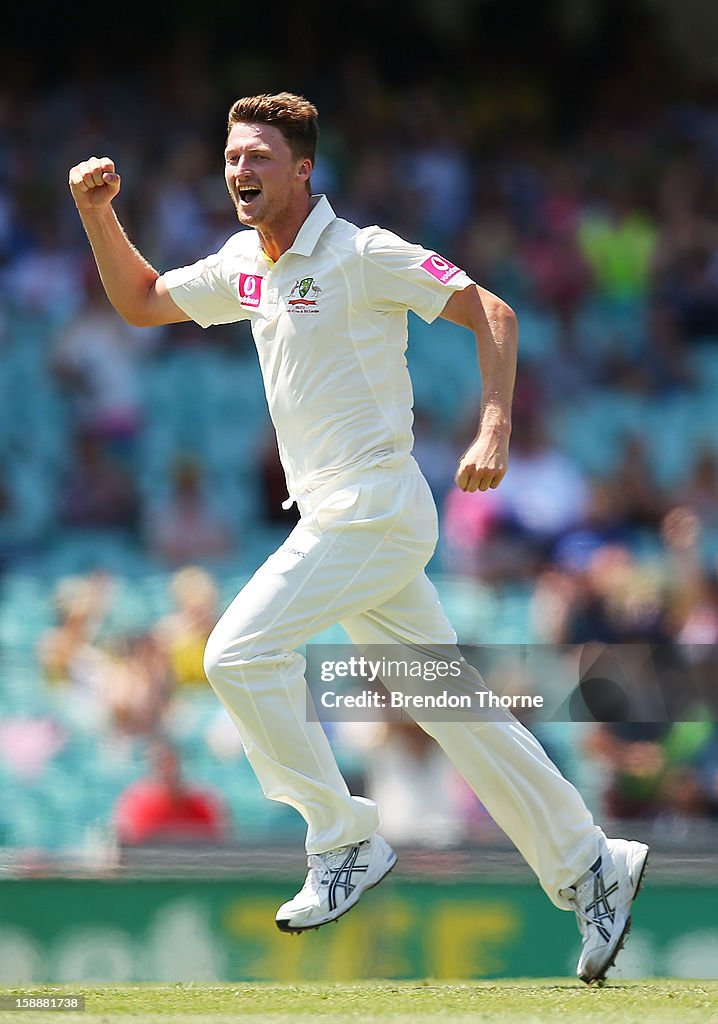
250, 289
440, 268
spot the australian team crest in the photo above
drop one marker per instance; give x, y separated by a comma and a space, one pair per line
303, 296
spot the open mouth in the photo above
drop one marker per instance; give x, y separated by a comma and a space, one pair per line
248, 193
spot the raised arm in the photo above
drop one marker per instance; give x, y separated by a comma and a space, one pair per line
133, 287
494, 323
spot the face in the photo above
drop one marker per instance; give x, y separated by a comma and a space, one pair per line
265, 181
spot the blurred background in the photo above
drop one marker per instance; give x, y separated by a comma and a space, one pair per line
565, 154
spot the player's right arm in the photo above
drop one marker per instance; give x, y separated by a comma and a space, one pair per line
133, 286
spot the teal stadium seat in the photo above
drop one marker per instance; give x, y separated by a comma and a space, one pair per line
470, 607
605, 325
703, 360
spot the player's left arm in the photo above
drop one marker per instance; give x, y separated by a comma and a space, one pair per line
493, 322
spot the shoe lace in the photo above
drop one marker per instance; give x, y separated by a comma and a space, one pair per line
590, 902
317, 871
583, 919
320, 867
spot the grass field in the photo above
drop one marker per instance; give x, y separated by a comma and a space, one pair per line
508, 1002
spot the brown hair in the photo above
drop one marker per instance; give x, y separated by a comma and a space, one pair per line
295, 117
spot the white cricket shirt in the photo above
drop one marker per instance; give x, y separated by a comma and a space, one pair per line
329, 320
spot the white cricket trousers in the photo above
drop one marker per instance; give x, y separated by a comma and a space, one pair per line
357, 556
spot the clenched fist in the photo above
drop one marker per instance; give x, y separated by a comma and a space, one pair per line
94, 183
484, 463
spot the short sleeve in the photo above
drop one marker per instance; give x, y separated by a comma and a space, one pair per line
399, 275
203, 291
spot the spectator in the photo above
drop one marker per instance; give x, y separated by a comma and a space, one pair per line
160, 809
471, 544
544, 492
692, 604
419, 793
186, 529
97, 491
122, 679
607, 520
557, 271
96, 361
700, 492
618, 239
489, 247
636, 497
652, 767
28, 745
183, 633
68, 652
44, 278
180, 228
433, 154
136, 686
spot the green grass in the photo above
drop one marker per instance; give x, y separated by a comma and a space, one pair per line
508, 1002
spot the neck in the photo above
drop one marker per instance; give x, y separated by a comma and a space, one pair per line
277, 238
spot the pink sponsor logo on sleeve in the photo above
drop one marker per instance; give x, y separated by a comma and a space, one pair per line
250, 290
440, 268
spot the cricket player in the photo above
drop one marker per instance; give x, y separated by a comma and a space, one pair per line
328, 303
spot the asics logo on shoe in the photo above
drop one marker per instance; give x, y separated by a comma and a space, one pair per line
342, 879
600, 910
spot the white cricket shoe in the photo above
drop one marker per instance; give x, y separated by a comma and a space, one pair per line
602, 899
335, 882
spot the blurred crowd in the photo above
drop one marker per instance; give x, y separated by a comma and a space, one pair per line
614, 225
618, 218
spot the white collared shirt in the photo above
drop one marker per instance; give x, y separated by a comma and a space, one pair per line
329, 320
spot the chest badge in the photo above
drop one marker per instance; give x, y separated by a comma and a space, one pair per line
303, 298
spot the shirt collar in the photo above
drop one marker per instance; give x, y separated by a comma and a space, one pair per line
320, 216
